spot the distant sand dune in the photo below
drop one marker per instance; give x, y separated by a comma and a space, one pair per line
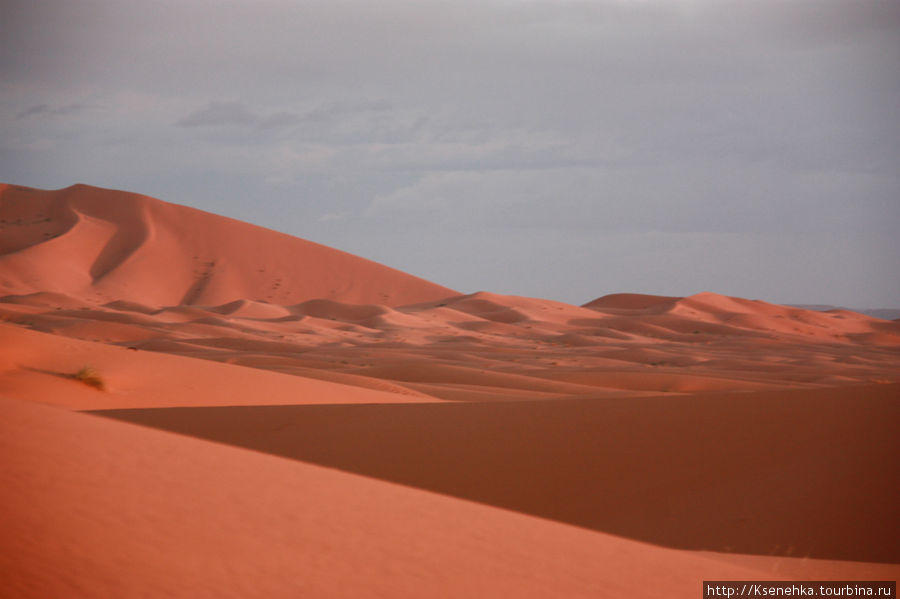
667, 345
102, 244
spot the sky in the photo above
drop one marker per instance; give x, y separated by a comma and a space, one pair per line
546, 148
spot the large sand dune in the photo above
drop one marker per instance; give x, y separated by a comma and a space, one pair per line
101, 245
761, 473
96, 508
347, 430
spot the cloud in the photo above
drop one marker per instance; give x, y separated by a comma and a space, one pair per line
508, 120
334, 216
217, 114
47, 110
235, 114
279, 120
335, 110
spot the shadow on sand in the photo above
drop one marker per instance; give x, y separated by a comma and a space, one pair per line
794, 473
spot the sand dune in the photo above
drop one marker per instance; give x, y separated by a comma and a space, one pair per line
680, 314
40, 367
97, 508
101, 245
757, 473
473, 445
500, 342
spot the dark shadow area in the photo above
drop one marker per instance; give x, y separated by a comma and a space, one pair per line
799, 473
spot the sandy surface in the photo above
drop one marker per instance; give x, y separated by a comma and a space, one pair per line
315, 424
105, 245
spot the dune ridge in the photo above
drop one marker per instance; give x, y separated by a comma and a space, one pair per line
482, 344
101, 245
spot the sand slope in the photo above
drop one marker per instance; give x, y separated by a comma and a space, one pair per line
796, 473
97, 508
40, 367
101, 245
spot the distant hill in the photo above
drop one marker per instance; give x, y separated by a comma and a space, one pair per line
884, 313
101, 244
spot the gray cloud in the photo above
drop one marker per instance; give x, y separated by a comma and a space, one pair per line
561, 149
218, 114
278, 120
46, 110
336, 110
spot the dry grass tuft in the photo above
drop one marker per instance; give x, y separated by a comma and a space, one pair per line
90, 377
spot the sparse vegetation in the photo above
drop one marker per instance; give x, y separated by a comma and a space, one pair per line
89, 376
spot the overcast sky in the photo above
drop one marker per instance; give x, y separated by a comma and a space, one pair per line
553, 149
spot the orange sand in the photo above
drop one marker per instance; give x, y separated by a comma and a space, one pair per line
475, 445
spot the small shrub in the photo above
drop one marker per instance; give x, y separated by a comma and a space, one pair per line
90, 377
